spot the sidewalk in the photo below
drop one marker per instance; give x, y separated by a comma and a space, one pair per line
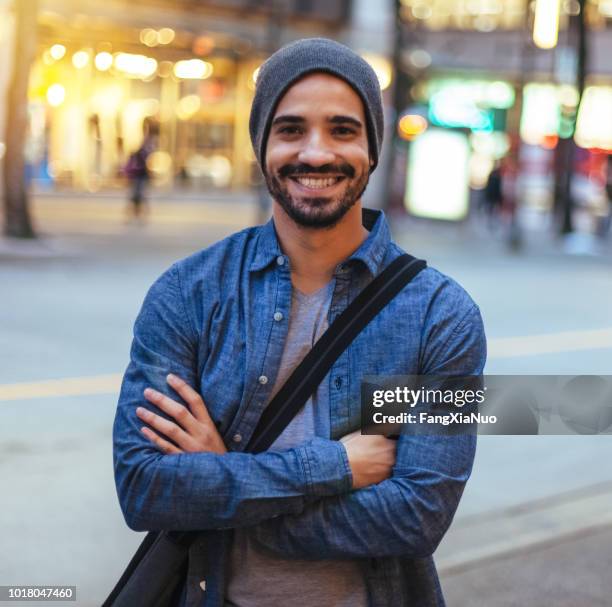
473, 236
155, 194
476, 540
571, 572
63, 221
57, 212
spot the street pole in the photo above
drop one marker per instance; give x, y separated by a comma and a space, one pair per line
515, 240
392, 197
577, 39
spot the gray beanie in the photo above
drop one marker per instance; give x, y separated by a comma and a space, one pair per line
302, 57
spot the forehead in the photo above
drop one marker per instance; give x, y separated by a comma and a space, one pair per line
321, 93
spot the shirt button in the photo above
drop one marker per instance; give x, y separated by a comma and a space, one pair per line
280, 260
263, 380
278, 316
237, 437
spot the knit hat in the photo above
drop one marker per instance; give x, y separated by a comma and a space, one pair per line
302, 57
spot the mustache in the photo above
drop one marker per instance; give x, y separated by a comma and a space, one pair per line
344, 169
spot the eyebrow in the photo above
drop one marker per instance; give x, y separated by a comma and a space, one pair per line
339, 119
287, 118
345, 120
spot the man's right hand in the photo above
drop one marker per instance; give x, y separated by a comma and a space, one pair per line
371, 458
192, 431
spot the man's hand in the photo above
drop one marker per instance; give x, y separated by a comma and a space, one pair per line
371, 458
194, 431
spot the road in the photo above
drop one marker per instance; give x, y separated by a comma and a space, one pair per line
67, 308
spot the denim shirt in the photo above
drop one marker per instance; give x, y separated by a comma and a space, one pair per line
218, 319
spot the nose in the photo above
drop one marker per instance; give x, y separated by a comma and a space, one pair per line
316, 151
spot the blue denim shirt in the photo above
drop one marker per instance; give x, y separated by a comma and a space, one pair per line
214, 320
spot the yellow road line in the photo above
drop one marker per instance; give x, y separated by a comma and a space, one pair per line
549, 343
504, 347
68, 386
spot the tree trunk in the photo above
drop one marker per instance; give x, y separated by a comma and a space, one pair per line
17, 220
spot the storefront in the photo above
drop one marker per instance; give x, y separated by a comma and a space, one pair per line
88, 104
465, 134
489, 98
458, 129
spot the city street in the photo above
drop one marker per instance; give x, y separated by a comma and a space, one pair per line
535, 521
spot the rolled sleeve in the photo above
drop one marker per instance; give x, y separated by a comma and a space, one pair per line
326, 467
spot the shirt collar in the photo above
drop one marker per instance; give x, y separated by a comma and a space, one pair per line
371, 252
267, 247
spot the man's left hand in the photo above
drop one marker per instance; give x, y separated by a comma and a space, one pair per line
194, 431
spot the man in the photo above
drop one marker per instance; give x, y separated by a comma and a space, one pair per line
326, 516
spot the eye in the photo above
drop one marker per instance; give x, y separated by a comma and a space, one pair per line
343, 130
289, 130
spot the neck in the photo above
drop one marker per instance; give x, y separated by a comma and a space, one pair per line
314, 253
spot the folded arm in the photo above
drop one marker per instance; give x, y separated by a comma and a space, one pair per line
194, 491
408, 514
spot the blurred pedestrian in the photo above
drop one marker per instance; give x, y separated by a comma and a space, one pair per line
493, 195
138, 173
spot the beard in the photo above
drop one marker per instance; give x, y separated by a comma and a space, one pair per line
317, 212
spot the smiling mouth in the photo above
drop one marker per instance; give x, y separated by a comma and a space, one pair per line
317, 183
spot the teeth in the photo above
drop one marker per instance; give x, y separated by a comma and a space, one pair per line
310, 182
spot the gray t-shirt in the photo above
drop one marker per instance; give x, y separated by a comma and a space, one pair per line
258, 578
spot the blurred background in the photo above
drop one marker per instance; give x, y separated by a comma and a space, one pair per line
124, 146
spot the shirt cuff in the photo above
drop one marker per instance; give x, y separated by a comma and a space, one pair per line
326, 467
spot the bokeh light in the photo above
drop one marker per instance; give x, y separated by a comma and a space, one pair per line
188, 106
57, 51
149, 37
193, 69
411, 126
80, 59
381, 67
103, 61
56, 94
136, 66
165, 35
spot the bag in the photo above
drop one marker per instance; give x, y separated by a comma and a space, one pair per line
135, 166
157, 572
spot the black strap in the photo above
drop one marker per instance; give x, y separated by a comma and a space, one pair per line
310, 372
